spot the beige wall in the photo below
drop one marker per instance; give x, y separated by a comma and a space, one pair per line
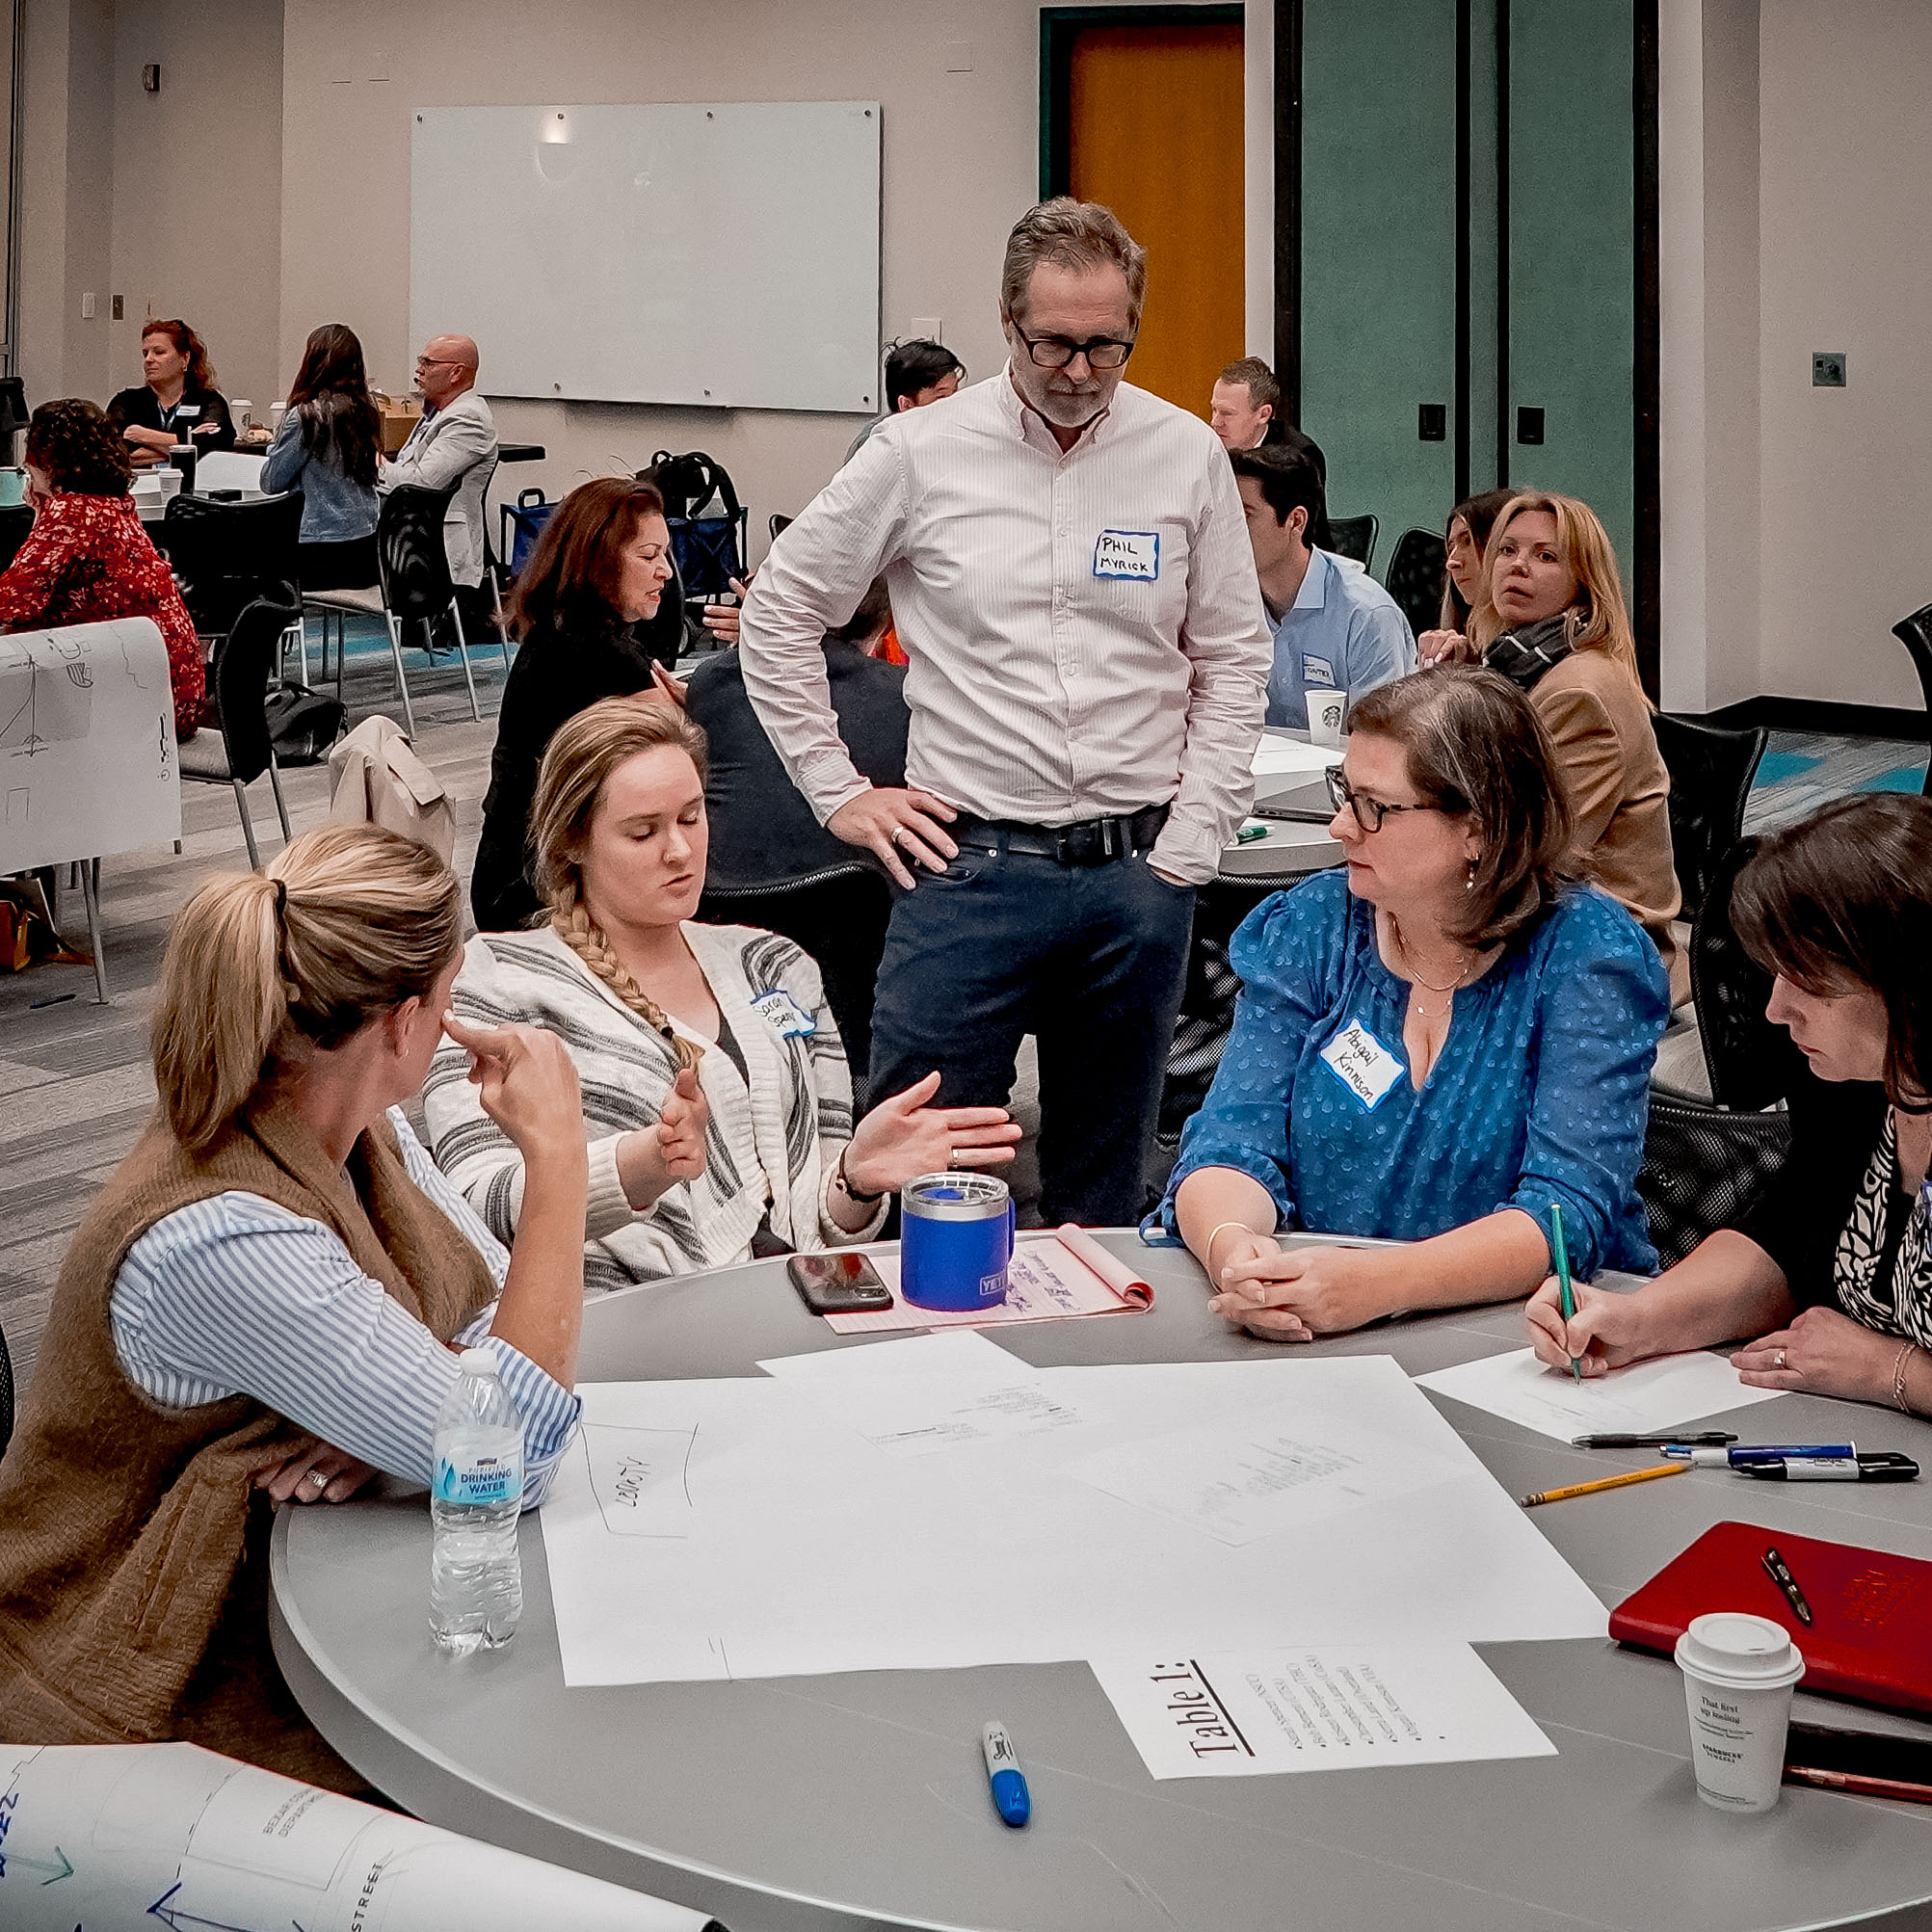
1845, 181
197, 184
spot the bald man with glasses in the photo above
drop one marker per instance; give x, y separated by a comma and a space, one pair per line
454, 447
1088, 659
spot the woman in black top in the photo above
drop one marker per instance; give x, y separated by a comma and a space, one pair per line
177, 402
1830, 1268
598, 609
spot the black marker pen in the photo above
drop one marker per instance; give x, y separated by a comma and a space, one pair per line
1864, 1468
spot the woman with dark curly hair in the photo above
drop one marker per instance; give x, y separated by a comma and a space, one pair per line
87, 558
177, 402
326, 447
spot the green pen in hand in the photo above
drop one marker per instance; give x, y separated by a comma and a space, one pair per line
1561, 1249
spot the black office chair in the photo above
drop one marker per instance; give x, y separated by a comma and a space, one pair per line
1703, 1167
838, 917
1915, 633
1751, 1061
1415, 579
17, 520
240, 750
415, 586
1353, 537
1710, 773
228, 554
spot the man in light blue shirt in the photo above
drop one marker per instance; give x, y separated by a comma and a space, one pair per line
1335, 627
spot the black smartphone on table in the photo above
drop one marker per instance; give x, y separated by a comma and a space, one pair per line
838, 1285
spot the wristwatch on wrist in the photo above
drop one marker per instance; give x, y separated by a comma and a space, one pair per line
844, 1185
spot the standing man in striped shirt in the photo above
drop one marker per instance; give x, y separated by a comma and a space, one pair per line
1071, 575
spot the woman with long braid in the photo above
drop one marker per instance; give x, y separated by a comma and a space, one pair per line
717, 1103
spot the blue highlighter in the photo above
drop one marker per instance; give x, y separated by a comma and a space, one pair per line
1010, 1797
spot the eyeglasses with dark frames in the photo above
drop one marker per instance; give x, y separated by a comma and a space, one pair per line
1055, 352
1369, 812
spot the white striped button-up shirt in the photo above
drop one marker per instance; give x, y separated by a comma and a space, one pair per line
237, 1296
1085, 629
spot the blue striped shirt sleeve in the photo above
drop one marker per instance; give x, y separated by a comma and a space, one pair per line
235, 1295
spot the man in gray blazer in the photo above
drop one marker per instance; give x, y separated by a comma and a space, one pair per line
453, 446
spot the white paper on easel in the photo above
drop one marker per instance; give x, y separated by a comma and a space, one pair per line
1245, 1714
928, 1393
1640, 1401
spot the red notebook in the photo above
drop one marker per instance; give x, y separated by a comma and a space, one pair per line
1871, 1636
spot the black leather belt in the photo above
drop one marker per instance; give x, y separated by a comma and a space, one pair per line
1092, 842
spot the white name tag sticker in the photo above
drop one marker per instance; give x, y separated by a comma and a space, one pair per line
1133, 554
784, 1015
1318, 671
1361, 1064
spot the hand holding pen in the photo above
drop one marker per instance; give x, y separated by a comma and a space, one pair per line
1603, 1333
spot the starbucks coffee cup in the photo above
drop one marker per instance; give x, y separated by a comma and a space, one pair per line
1326, 711
1738, 1673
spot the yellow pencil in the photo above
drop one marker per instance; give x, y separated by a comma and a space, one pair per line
1605, 1483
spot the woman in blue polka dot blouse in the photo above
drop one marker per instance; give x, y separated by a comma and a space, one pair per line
1438, 1046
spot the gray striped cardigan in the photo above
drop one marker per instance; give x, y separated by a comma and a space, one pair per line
774, 1143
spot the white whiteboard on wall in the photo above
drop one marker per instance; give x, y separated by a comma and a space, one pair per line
724, 255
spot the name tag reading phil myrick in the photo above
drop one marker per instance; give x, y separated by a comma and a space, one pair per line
1133, 554
1361, 1064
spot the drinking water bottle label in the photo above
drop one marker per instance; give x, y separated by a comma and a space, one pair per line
488, 1480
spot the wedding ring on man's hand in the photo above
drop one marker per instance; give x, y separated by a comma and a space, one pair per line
1778, 1362
320, 1481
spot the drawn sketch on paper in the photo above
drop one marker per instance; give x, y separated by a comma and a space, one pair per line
47, 695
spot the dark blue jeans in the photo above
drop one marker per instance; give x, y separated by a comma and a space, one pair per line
1090, 959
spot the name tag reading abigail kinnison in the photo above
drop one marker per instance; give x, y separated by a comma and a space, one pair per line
1133, 554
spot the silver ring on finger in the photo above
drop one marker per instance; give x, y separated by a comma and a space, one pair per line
320, 1481
1780, 1361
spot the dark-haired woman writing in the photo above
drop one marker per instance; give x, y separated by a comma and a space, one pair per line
176, 402
260, 1303
87, 559
1832, 1272
326, 446
1438, 1048
598, 611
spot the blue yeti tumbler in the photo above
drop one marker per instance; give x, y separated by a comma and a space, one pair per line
956, 1241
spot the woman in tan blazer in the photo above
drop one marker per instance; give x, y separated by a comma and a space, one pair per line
1553, 620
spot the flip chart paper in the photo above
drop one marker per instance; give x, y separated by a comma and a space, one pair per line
811, 1551
1260, 1474
927, 1393
1244, 1714
1639, 1400
1276, 756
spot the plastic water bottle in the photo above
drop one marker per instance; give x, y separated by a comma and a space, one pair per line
476, 1577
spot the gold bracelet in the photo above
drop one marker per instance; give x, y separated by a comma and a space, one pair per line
1207, 1246
1898, 1400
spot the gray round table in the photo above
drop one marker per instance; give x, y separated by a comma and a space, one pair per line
861, 1800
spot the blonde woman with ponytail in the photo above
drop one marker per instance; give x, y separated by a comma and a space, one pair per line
263, 1304
1550, 618
717, 1101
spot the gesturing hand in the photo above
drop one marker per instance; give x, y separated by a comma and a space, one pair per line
527, 1083
903, 1138
721, 620
1444, 647
1297, 1293
680, 1128
898, 823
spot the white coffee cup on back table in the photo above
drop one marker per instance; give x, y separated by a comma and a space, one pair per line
1738, 1675
1326, 711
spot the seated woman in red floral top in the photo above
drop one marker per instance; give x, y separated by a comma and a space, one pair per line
88, 559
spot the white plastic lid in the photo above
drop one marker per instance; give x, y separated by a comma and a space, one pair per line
1748, 1652
480, 1361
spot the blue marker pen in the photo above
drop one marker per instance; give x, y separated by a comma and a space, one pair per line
1741, 1454
1009, 1797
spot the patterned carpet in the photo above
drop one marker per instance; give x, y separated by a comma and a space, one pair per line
1801, 770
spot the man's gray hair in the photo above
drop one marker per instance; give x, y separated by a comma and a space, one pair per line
1077, 236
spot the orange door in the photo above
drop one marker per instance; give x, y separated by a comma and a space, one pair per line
1154, 131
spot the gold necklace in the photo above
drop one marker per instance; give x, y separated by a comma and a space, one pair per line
1408, 959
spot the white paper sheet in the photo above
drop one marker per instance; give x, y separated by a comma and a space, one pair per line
929, 1393
1258, 1474
1236, 1714
1275, 757
809, 1551
1639, 1400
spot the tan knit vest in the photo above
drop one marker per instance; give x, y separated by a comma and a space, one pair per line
133, 1542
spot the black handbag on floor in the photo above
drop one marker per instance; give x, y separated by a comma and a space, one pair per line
303, 725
